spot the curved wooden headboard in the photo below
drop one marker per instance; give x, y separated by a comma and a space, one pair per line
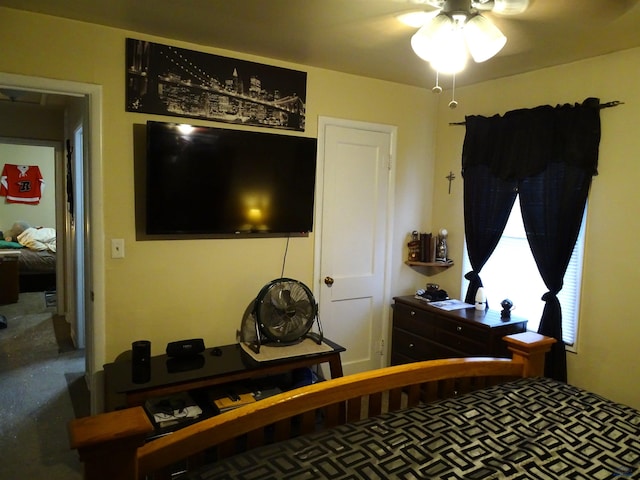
112, 445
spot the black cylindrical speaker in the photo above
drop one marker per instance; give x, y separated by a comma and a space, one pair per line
141, 361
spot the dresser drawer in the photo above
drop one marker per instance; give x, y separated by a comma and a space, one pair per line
413, 320
417, 348
453, 327
462, 344
462, 337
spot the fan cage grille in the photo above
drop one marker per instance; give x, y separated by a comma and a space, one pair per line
285, 310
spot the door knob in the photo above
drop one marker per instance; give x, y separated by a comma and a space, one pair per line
328, 281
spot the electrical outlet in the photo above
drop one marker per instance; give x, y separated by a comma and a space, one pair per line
117, 248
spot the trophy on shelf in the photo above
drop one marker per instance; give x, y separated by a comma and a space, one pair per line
414, 247
441, 249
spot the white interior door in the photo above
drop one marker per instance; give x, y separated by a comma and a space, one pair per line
353, 228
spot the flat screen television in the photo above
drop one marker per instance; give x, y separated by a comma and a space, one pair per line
210, 182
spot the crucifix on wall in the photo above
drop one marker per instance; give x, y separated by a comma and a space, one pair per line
450, 177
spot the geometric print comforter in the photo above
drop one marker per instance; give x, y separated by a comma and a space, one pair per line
526, 429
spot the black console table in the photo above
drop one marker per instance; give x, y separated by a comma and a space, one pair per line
215, 366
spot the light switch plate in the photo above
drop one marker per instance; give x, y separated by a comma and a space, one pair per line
117, 248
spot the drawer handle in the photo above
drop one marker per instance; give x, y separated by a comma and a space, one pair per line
459, 328
412, 313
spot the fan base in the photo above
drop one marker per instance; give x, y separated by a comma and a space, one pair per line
255, 346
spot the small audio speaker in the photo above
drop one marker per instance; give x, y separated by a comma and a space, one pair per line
141, 361
185, 348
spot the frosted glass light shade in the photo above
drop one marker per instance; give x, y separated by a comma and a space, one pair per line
441, 43
428, 39
451, 56
483, 38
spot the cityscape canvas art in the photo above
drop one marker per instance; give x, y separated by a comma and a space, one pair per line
166, 80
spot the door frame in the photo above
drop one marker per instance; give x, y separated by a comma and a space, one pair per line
323, 123
94, 280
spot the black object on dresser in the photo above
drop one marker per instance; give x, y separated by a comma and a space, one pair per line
423, 332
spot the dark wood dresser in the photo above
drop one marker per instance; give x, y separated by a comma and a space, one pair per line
423, 332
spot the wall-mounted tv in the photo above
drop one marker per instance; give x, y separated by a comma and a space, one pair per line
215, 182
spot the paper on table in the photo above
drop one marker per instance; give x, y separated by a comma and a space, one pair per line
451, 305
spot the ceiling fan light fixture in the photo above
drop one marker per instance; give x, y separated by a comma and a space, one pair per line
426, 41
451, 55
447, 40
483, 38
421, 47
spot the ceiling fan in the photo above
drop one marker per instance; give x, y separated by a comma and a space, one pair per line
503, 7
457, 30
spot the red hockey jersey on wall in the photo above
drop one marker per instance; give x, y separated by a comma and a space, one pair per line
21, 184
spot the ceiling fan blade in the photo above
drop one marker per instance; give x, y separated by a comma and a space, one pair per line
434, 3
483, 5
579, 12
417, 19
509, 7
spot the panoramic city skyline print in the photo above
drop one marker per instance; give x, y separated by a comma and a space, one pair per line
166, 80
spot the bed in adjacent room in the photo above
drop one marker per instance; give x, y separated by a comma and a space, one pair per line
36, 259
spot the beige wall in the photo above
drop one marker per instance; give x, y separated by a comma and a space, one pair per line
606, 359
170, 290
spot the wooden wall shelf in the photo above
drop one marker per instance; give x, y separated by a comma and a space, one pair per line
430, 264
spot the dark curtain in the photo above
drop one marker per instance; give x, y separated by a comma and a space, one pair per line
548, 155
487, 203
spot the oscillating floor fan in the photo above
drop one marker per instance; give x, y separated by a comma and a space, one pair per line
283, 313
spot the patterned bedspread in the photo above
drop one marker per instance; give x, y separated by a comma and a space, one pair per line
527, 429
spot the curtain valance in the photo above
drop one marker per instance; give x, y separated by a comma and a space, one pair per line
522, 143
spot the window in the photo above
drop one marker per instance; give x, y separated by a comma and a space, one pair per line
511, 272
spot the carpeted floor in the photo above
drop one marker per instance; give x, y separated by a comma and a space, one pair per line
42, 387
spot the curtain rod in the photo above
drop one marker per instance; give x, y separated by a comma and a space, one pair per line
613, 103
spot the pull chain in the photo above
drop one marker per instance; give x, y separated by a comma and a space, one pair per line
437, 88
453, 104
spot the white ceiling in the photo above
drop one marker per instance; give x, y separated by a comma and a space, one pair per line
362, 37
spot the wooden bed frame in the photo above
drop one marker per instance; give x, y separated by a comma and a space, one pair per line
112, 445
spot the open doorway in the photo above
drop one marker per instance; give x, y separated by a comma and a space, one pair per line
39, 209
45, 226
78, 136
